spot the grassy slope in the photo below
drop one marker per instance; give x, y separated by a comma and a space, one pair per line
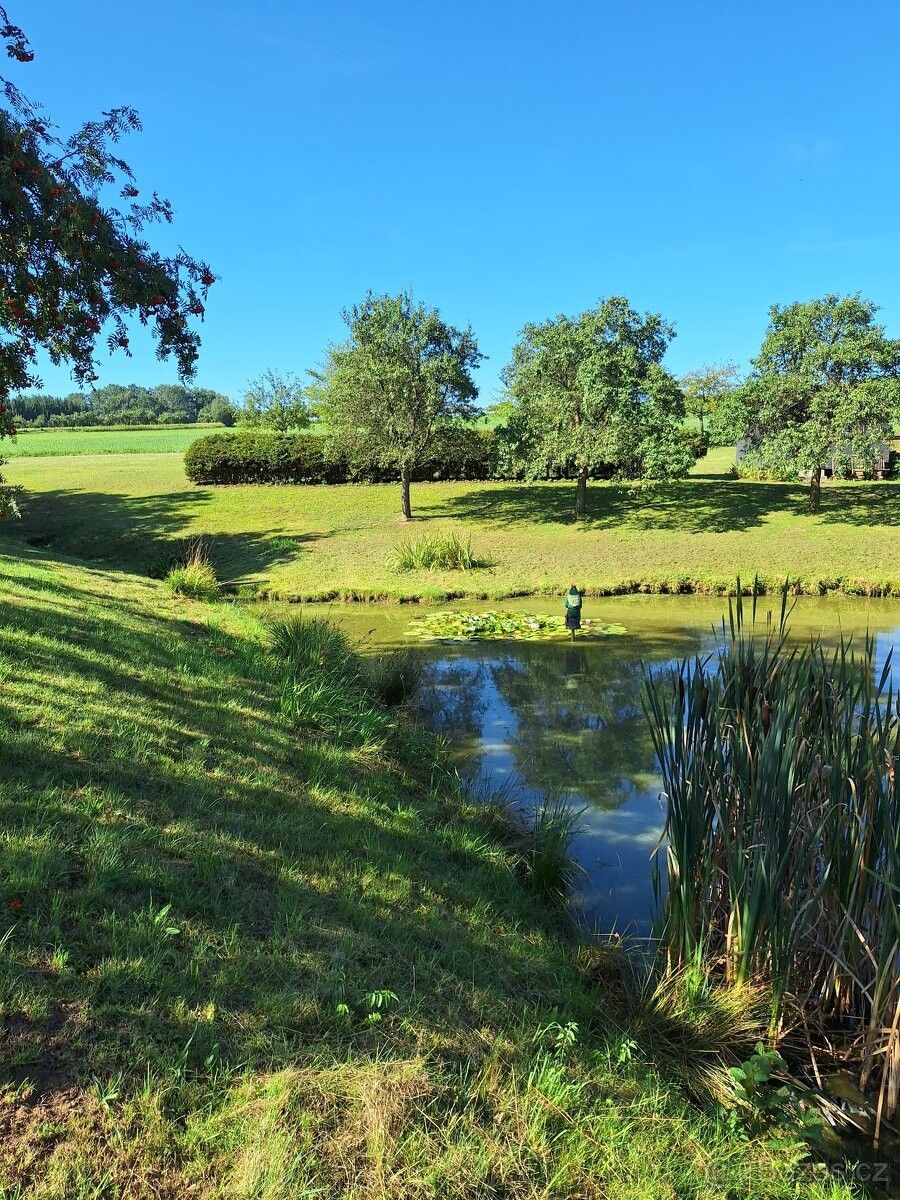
318, 542
32, 443
197, 885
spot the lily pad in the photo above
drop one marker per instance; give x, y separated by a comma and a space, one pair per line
503, 626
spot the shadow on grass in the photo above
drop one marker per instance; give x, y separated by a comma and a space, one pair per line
694, 505
862, 504
221, 882
145, 533
689, 505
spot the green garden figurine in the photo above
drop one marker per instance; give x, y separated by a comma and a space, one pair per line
573, 610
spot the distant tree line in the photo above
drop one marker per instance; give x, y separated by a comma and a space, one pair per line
123, 404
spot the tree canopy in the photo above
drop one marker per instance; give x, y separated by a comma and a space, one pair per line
275, 400
75, 264
824, 388
402, 377
706, 389
591, 391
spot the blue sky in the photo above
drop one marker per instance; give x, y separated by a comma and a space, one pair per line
504, 160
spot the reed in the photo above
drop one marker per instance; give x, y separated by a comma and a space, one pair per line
782, 837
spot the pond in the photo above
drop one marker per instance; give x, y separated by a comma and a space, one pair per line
532, 719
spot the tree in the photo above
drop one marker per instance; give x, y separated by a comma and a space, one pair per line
216, 408
402, 377
706, 388
727, 422
824, 387
591, 392
275, 401
72, 263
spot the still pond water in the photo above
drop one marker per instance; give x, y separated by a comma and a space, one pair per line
536, 719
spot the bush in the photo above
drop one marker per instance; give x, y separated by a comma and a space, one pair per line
266, 457
261, 457
194, 577
459, 453
439, 551
9, 506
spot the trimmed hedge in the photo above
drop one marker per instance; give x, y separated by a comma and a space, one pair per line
256, 457
267, 457
261, 456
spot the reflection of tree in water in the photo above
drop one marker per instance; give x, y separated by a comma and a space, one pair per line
453, 698
581, 726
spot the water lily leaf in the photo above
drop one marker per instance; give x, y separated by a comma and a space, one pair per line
486, 626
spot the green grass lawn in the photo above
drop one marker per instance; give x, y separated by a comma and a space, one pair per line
718, 460
257, 944
136, 512
160, 439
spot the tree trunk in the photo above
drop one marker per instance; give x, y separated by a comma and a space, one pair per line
581, 494
815, 490
404, 485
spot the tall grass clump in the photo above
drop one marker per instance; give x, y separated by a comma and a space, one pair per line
323, 681
195, 576
394, 678
698, 1030
312, 643
779, 764
435, 552
549, 869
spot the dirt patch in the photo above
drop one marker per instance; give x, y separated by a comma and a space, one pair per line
32, 1126
41, 1100
36, 1052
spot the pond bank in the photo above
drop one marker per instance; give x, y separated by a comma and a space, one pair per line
254, 933
649, 585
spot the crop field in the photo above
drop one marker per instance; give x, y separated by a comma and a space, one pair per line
160, 439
